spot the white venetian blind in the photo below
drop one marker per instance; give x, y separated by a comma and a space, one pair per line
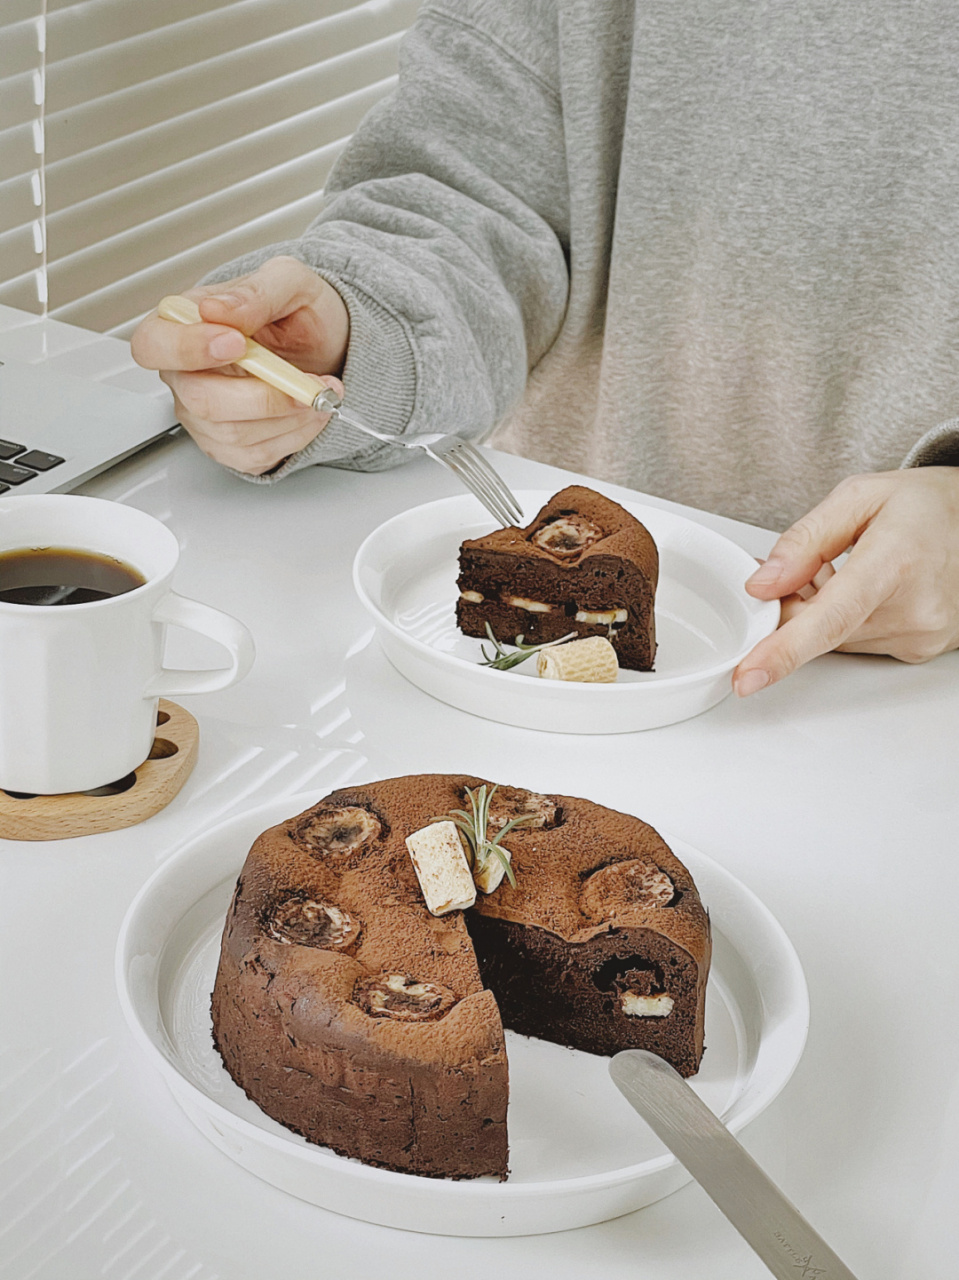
155, 140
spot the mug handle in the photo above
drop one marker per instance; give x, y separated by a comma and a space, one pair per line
179, 611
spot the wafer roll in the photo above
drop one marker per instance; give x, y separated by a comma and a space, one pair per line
591, 660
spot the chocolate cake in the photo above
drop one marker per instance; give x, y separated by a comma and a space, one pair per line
352, 1015
583, 565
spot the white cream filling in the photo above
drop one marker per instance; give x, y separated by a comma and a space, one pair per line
531, 606
606, 619
646, 1006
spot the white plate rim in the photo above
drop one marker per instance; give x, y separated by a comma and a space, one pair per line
797, 1029
762, 615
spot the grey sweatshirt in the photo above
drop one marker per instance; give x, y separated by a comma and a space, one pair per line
705, 248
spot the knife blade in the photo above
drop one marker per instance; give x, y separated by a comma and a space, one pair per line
752, 1202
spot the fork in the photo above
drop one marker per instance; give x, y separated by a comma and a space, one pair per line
454, 452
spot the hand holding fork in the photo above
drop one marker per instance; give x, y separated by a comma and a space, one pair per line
457, 454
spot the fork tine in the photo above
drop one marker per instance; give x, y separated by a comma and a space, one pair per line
475, 483
494, 480
488, 499
477, 478
461, 457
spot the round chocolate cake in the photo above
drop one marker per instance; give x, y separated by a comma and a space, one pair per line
351, 1014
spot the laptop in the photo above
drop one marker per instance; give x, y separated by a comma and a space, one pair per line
57, 430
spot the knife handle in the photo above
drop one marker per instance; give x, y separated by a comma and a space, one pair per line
259, 360
728, 1174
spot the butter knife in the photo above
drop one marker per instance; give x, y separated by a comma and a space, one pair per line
752, 1202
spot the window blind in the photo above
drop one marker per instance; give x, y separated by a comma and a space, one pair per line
143, 144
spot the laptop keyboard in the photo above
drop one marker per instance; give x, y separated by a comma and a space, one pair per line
18, 463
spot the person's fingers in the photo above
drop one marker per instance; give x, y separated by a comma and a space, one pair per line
210, 396
249, 303
218, 438
790, 606
256, 455
823, 623
912, 648
162, 344
802, 552
257, 445
821, 578
242, 306
880, 633
874, 636
906, 637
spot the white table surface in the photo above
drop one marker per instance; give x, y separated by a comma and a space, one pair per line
833, 796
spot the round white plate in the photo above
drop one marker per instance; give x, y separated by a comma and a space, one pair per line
578, 1152
405, 574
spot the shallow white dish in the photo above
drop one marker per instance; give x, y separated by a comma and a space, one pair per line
405, 575
578, 1153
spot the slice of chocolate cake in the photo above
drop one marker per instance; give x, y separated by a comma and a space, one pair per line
603, 943
583, 565
352, 1015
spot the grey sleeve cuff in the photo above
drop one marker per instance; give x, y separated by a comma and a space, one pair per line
379, 381
937, 448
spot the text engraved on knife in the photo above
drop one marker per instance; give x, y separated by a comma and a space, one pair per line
803, 1263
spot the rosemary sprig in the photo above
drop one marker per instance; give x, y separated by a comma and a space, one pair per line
502, 661
474, 826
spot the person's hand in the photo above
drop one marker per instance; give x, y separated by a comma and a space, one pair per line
896, 593
235, 418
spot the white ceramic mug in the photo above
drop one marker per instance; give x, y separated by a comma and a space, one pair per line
79, 683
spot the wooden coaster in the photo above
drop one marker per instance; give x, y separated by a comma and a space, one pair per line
121, 804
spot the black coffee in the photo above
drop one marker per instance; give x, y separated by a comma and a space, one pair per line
61, 575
